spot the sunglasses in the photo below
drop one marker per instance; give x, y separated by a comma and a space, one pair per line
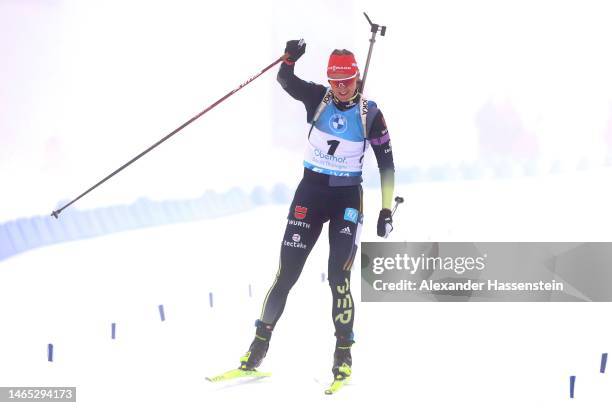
345, 82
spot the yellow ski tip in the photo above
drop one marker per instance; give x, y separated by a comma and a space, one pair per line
337, 384
237, 373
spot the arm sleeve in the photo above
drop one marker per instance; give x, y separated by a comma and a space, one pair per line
309, 93
381, 144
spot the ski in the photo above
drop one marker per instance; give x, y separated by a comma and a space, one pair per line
337, 384
237, 373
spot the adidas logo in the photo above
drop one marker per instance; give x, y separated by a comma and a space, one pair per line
346, 230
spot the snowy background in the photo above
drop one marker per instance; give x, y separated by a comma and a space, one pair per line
501, 120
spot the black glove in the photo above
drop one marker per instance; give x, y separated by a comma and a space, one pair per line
295, 49
385, 223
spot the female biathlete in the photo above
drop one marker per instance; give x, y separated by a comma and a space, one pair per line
343, 125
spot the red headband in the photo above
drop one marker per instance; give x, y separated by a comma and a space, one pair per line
342, 64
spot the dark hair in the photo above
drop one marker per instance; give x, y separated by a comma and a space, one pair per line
342, 52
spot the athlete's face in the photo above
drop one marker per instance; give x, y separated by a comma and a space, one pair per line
343, 88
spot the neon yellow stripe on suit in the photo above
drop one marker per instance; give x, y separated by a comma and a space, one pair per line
349, 262
387, 184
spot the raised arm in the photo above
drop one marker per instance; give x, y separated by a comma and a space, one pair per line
309, 93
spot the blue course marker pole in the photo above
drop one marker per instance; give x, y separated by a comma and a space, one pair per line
250, 291
210, 299
572, 383
50, 352
162, 315
113, 327
604, 360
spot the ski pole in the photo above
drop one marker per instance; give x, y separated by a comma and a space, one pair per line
398, 201
57, 212
374, 28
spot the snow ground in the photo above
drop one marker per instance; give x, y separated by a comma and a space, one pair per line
417, 354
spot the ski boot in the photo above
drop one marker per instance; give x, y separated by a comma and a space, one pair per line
259, 347
342, 364
342, 357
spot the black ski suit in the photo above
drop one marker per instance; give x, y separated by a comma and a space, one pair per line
320, 198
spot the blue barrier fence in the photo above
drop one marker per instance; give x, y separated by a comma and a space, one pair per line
20, 235
23, 234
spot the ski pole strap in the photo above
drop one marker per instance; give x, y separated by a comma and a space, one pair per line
327, 98
363, 112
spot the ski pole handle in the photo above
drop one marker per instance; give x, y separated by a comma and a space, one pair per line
375, 27
398, 201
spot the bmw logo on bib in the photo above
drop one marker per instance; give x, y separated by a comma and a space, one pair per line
338, 123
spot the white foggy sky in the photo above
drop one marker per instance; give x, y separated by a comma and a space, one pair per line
85, 86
